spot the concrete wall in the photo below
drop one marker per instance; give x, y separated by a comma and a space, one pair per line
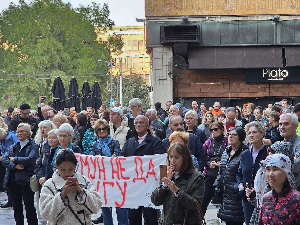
162, 84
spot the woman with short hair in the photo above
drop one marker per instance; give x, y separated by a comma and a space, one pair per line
206, 122
190, 120
181, 192
272, 133
58, 120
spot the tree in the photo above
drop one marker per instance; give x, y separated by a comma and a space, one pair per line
134, 86
45, 38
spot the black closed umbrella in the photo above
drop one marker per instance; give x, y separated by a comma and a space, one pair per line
96, 96
73, 95
59, 96
86, 95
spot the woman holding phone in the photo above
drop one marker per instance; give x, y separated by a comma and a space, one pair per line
68, 197
181, 191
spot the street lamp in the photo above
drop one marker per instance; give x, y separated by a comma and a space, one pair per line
109, 66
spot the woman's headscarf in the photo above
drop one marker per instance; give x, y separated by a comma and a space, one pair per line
280, 161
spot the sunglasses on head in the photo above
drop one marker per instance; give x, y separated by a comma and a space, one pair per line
214, 129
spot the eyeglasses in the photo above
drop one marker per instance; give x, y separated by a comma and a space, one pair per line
214, 129
232, 134
101, 129
139, 122
21, 131
63, 136
252, 132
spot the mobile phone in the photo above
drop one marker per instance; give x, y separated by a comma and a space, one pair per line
163, 171
72, 179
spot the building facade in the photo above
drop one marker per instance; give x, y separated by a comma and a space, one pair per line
234, 51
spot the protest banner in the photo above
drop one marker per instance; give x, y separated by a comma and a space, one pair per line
125, 182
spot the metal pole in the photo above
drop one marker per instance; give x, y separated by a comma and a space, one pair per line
121, 83
111, 66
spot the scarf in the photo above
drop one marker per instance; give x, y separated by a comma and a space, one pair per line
103, 144
59, 147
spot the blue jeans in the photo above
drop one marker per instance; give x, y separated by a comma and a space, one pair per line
122, 216
248, 210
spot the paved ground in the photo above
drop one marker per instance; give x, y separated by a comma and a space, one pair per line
7, 215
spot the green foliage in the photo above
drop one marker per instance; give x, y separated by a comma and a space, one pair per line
134, 86
46, 38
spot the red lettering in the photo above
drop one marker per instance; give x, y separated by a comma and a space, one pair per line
114, 171
122, 169
151, 170
85, 163
123, 193
104, 189
99, 168
98, 186
94, 164
139, 176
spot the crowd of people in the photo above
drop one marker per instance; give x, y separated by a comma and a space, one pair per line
243, 159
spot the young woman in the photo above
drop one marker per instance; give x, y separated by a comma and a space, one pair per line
206, 122
181, 192
68, 201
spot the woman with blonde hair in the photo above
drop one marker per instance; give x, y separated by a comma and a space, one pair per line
58, 120
3, 124
206, 122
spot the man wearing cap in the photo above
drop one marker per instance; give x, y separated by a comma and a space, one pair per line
118, 126
24, 117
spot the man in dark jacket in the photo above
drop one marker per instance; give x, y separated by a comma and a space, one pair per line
144, 143
195, 146
24, 117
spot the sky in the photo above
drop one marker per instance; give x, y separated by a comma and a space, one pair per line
122, 12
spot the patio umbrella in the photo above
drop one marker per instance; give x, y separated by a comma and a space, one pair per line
73, 95
96, 96
59, 97
86, 95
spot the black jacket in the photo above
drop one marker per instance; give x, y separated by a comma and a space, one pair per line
191, 186
18, 119
199, 133
150, 146
231, 207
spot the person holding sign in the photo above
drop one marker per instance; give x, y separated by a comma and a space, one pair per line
107, 146
181, 191
68, 197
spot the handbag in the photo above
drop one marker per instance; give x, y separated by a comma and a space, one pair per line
34, 183
217, 199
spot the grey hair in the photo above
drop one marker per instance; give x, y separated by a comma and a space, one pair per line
193, 112
54, 131
134, 101
230, 109
256, 124
170, 119
143, 116
287, 109
46, 123
153, 112
173, 106
294, 117
27, 127
66, 127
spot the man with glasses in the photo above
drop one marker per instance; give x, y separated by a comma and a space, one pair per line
230, 120
144, 143
24, 117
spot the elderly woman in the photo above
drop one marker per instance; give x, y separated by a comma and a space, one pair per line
281, 204
68, 197
272, 133
181, 192
20, 162
206, 122
41, 135
214, 148
231, 210
190, 119
249, 164
58, 120
107, 146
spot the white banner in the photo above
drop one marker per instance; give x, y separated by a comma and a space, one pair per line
125, 182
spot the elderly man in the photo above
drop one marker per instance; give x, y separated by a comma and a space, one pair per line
152, 116
118, 126
135, 105
24, 117
216, 109
287, 126
144, 143
195, 146
230, 120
